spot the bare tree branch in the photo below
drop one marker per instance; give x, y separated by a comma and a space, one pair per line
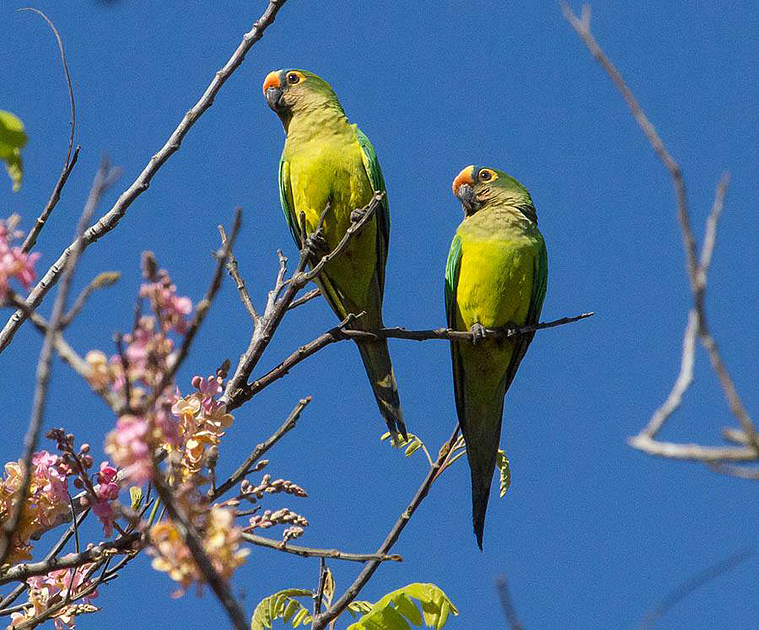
694, 583
697, 274
341, 333
111, 218
102, 280
71, 560
235, 273
285, 291
308, 552
502, 586
321, 620
192, 539
68, 162
258, 452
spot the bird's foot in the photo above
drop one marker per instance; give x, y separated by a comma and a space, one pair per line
478, 333
317, 243
357, 215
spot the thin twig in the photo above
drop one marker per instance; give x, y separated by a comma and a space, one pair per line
683, 382
309, 552
103, 179
68, 162
192, 539
111, 218
741, 472
341, 333
693, 452
102, 280
260, 450
234, 272
306, 297
692, 584
502, 586
54, 551
321, 620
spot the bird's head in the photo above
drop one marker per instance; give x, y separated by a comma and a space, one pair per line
476, 187
289, 92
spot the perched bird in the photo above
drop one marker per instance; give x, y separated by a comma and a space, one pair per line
327, 160
495, 276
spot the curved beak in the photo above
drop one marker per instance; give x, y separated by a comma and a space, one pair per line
273, 92
463, 189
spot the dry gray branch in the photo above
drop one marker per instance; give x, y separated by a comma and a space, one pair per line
697, 275
309, 552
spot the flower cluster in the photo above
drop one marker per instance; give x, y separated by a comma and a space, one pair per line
14, 263
47, 500
171, 309
101, 496
221, 542
107, 493
202, 420
188, 427
49, 590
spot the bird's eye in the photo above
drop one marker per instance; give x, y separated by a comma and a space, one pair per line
292, 78
486, 176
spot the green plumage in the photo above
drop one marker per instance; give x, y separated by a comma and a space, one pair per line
328, 160
495, 276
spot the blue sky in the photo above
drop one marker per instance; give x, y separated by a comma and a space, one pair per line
592, 533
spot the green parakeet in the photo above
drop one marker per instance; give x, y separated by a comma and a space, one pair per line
328, 160
495, 276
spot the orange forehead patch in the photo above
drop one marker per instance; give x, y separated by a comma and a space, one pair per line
464, 177
271, 80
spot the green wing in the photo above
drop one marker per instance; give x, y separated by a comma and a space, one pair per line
539, 281
452, 268
371, 164
286, 199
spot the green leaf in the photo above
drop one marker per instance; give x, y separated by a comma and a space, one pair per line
12, 140
135, 496
503, 466
282, 605
396, 609
412, 445
359, 607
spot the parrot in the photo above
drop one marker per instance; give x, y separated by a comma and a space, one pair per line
495, 276
328, 160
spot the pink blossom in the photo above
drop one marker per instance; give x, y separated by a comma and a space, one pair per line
127, 446
107, 491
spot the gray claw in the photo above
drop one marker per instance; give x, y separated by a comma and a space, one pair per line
478, 333
357, 215
316, 242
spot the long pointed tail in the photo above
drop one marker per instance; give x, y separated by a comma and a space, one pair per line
376, 358
482, 433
